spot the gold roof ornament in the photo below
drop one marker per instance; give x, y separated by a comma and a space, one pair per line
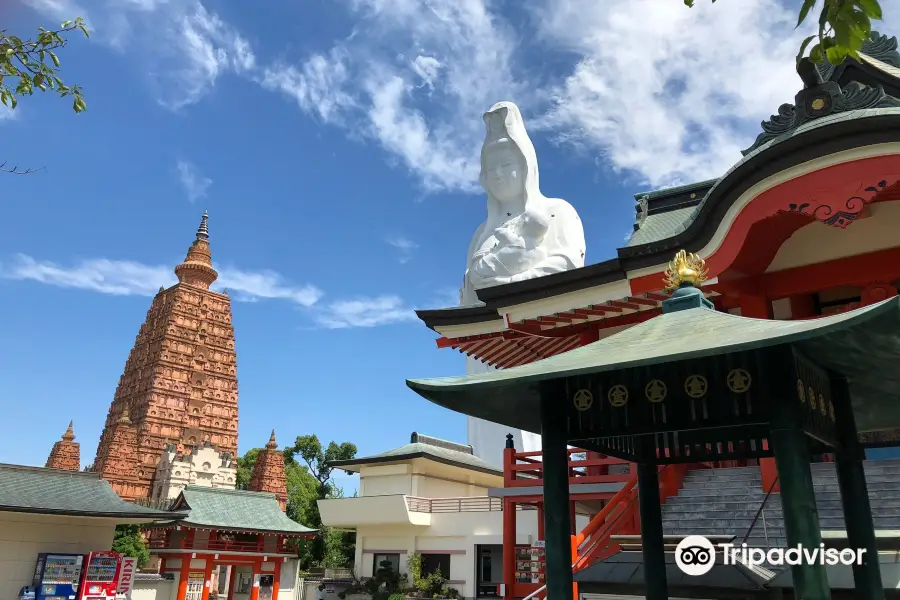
685, 268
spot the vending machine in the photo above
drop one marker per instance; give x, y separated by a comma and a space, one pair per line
56, 576
101, 576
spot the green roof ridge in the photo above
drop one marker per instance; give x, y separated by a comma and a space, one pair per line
674, 190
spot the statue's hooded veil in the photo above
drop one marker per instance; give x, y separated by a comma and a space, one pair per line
504, 120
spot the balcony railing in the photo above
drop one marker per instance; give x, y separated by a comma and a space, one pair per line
221, 545
457, 505
525, 469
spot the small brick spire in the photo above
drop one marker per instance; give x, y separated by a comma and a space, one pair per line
268, 473
119, 459
66, 453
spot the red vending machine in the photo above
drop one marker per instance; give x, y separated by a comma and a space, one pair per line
101, 576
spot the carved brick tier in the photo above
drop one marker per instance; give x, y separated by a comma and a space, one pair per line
268, 472
180, 380
118, 460
66, 453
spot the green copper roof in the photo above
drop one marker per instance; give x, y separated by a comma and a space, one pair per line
73, 493
660, 226
863, 344
689, 187
236, 510
428, 451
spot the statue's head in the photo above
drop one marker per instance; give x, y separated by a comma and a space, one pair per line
508, 162
503, 170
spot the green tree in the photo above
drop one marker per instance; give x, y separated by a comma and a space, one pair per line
331, 548
307, 483
843, 27
129, 542
29, 65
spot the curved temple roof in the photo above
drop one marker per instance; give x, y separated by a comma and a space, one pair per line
863, 345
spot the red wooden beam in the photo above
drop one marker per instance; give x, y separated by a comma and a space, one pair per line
642, 301
591, 312
883, 265
656, 296
623, 305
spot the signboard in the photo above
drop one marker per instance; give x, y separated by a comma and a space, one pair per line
126, 575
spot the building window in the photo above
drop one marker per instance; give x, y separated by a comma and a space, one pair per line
392, 559
439, 563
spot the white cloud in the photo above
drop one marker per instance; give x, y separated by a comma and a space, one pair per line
129, 278
365, 312
194, 183
415, 77
317, 85
669, 93
183, 47
664, 94
405, 246
7, 113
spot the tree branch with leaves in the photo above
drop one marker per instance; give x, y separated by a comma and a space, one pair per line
29, 65
844, 26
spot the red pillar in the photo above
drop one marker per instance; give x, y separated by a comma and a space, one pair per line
803, 307
231, 577
276, 580
183, 577
540, 518
509, 547
207, 577
254, 580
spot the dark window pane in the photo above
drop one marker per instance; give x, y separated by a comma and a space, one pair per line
436, 562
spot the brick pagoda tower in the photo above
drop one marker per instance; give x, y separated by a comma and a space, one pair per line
66, 453
268, 472
180, 381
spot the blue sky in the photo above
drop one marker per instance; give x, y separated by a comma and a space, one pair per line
334, 144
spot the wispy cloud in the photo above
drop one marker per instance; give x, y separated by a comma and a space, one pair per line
182, 47
195, 183
365, 312
405, 246
129, 278
7, 113
662, 93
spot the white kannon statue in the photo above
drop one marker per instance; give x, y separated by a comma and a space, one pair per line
526, 235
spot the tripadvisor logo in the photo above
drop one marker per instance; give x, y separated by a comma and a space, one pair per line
695, 555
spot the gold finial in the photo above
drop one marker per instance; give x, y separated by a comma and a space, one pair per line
69, 435
272, 445
685, 268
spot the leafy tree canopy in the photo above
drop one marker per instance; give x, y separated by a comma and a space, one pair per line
29, 65
308, 482
843, 27
128, 541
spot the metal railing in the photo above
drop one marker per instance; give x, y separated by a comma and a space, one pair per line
458, 505
761, 512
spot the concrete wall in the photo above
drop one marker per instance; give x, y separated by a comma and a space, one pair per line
154, 589
457, 534
24, 536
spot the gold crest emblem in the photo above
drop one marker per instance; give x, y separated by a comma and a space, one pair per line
618, 396
583, 400
656, 391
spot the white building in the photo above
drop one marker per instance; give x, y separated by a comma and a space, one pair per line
203, 466
433, 498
